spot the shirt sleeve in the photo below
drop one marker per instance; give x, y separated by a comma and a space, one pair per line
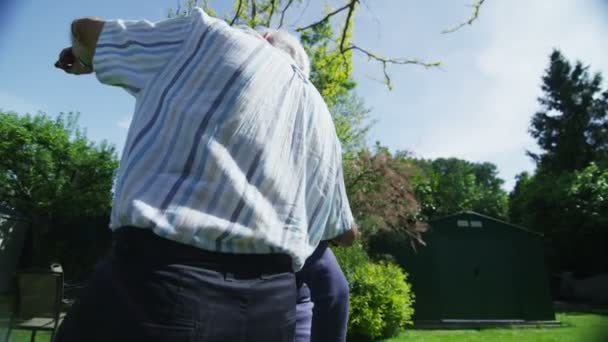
129, 53
340, 216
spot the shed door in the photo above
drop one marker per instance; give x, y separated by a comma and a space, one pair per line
497, 278
456, 262
476, 278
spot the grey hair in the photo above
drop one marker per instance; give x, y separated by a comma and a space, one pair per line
289, 44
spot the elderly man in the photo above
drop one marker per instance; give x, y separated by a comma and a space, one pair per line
230, 176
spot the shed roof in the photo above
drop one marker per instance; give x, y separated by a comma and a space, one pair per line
514, 226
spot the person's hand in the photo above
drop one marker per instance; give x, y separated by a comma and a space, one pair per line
348, 237
71, 64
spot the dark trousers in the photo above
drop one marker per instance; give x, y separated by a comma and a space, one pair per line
303, 315
327, 316
152, 289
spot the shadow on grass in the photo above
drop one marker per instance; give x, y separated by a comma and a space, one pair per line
576, 309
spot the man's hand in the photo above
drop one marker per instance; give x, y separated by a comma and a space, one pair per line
71, 64
78, 59
347, 238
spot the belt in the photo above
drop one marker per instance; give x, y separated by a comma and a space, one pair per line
144, 246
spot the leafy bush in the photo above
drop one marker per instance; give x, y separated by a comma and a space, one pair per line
381, 300
350, 259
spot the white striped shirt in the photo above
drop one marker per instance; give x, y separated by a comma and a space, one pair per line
230, 148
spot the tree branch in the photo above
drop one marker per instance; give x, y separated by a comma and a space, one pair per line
302, 12
476, 6
329, 15
273, 4
351, 10
283, 13
237, 13
254, 12
386, 61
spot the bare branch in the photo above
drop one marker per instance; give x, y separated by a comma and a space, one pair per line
373, 15
302, 12
237, 13
384, 61
329, 15
350, 7
254, 12
476, 6
273, 4
351, 10
283, 13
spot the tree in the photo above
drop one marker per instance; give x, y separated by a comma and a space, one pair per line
587, 198
445, 186
572, 126
54, 175
518, 198
572, 203
571, 211
565, 199
381, 196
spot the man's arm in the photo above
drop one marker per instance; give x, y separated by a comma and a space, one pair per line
85, 34
125, 53
78, 59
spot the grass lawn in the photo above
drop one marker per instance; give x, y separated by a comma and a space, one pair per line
576, 327
24, 336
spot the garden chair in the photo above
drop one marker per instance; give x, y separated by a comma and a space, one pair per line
37, 302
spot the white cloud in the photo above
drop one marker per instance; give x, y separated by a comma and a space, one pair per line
124, 123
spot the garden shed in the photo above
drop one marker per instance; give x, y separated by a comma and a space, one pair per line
479, 269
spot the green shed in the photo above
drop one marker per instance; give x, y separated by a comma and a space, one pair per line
479, 269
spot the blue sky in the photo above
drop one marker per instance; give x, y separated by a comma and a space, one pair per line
476, 107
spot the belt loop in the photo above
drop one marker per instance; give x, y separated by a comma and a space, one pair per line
229, 276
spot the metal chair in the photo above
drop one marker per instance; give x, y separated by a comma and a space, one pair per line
38, 302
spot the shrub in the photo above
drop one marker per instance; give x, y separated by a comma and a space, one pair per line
350, 259
381, 301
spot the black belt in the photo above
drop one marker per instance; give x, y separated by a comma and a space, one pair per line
143, 246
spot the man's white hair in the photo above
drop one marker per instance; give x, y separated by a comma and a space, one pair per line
289, 44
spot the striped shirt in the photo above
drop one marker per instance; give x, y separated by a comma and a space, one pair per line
231, 149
